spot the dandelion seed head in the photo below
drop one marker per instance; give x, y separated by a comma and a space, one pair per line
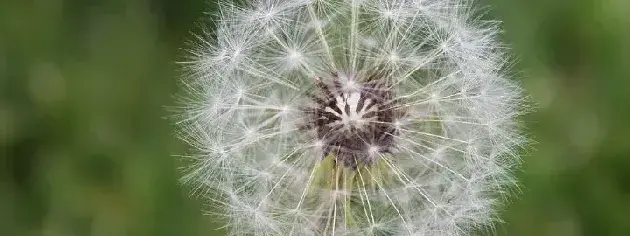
351, 117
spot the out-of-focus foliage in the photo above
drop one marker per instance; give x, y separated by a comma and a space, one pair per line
86, 148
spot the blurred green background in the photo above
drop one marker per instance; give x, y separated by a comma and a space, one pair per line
86, 149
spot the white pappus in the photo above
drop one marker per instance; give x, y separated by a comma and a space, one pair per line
351, 117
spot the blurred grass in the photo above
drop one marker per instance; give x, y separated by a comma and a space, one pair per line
86, 149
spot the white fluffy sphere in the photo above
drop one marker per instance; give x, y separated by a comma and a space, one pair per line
351, 117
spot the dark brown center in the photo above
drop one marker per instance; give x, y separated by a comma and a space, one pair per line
354, 119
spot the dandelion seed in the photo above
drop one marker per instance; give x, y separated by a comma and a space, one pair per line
351, 117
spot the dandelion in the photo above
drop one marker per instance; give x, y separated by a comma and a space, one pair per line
351, 117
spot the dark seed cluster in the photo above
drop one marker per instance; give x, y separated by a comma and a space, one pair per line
356, 123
